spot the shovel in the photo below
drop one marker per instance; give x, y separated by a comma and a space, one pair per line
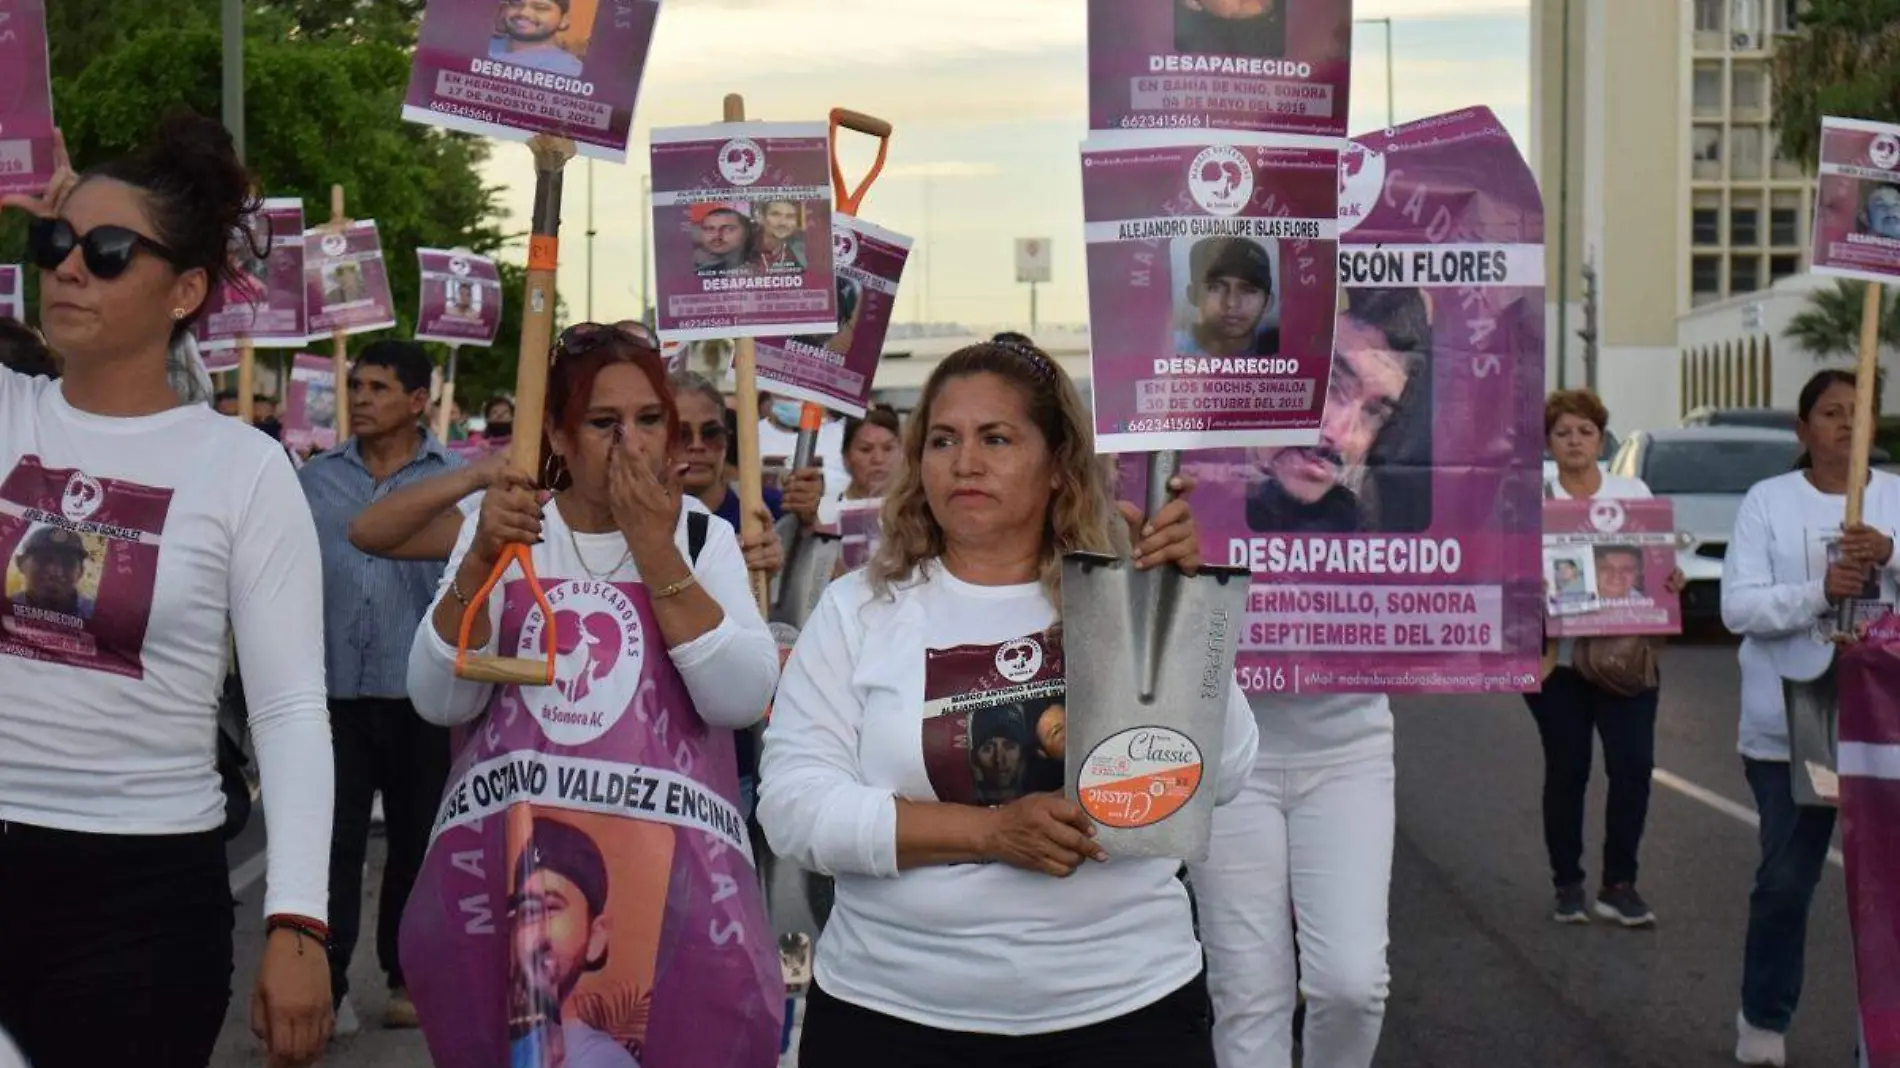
1149, 657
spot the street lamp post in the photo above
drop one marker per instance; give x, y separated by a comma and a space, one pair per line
1391, 112
233, 24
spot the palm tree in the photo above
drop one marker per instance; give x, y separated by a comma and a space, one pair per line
1829, 328
1843, 60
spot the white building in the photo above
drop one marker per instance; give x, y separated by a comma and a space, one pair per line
1735, 353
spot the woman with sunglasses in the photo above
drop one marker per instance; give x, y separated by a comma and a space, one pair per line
661, 653
141, 525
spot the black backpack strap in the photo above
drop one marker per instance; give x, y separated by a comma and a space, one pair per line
697, 524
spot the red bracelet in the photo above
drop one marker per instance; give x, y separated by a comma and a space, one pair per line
303, 925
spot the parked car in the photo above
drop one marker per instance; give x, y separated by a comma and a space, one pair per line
1768, 418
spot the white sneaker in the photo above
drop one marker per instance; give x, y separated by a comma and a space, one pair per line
1756, 1046
346, 1022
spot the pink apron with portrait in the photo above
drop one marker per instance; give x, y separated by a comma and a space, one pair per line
1869, 762
689, 975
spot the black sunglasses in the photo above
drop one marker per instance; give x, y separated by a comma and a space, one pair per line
708, 434
586, 337
107, 250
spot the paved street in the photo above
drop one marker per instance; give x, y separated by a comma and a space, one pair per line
1481, 977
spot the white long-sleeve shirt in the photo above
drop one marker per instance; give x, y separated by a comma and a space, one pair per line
729, 671
970, 947
1774, 596
109, 692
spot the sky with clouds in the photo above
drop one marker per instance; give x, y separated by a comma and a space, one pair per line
989, 100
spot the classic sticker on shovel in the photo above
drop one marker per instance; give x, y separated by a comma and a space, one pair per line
1140, 777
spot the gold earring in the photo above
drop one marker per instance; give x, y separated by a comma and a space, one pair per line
177, 314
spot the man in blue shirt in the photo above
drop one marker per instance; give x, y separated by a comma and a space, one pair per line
371, 609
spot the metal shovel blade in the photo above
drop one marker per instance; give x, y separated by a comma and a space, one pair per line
1149, 657
810, 557
1814, 731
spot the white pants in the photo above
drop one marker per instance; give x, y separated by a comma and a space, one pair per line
1316, 843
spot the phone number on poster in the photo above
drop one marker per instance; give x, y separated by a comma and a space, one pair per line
1155, 122
1150, 426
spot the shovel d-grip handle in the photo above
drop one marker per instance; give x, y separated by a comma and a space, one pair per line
872, 127
505, 670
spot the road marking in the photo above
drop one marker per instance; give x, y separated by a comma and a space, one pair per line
247, 873
1723, 805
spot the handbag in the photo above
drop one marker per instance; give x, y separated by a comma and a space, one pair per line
1622, 666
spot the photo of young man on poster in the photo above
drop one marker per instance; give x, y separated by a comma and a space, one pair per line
465, 300
781, 236
49, 575
557, 912
1880, 212
1228, 299
1230, 27
534, 34
724, 239
1376, 423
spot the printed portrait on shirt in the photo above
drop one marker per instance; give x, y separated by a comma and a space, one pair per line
78, 562
1254, 28
586, 900
990, 715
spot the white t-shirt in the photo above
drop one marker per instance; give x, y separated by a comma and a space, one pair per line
784, 443
1320, 730
108, 721
1774, 592
1614, 488
983, 948
729, 671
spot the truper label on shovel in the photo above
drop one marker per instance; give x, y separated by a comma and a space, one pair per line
1140, 777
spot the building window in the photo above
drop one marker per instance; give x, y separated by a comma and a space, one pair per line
1705, 219
1784, 220
1744, 222
1708, 16
1744, 274
1705, 279
1750, 91
1785, 169
1745, 152
1708, 90
1707, 146
1787, 14
1780, 267
1745, 26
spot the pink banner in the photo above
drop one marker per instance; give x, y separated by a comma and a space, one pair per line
1870, 810
835, 371
12, 292
346, 282
26, 99
267, 303
859, 531
310, 403
1400, 553
1211, 287
742, 231
1272, 65
513, 70
1606, 568
461, 298
1857, 201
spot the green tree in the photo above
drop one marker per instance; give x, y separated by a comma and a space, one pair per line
1844, 60
1829, 327
324, 81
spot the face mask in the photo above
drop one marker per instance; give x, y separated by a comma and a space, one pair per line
787, 413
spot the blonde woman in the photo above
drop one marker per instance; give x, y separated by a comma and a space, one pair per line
977, 920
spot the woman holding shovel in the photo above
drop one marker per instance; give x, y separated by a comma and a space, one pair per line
139, 526
970, 931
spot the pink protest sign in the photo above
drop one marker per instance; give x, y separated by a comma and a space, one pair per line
1869, 764
310, 403
1400, 554
26, 99
859, 531
1857, 202
346, 282
836, 371
1606, 567
266, 305
461, 298
742, 231
1211, 287
1270, 65
12, 292
525, 67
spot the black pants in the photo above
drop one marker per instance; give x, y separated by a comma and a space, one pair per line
1568, 711
381, 744
114, 949
1175, 1032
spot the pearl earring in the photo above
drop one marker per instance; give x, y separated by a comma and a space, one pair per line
178, 313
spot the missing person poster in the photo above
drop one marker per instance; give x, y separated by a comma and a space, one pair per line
26, 99
1857, 201
1400, 552
461, 298
310, 403
1607, 565
589, 896
346, 283
1268, 65
860, 529
12, 292
742, 231
1211, 287
836, 371
517, 68
267, 304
